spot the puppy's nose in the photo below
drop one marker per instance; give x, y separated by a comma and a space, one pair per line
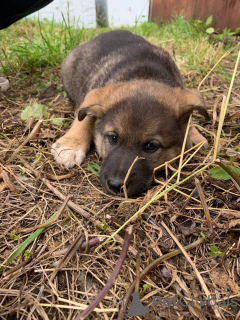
115, 185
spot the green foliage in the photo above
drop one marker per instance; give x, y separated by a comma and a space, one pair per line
42, 87
203, 235
94, 168
219, 173
202, 26
226, 32
13, 235
35, 110
215, 252
29, 47
58, 121
45, 43
105, 226
27, 254
27, 242
145, 288
23, 169
209, 21
206, 28
210, 30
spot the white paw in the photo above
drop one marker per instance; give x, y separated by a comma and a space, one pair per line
67, 156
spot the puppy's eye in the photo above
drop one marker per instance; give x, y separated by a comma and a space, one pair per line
151, 147
113, 138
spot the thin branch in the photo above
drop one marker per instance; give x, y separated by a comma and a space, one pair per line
127, 175
49, 223
68, 255
73, 205
33, 133
112, 278
148, 269
205, 208
197, 273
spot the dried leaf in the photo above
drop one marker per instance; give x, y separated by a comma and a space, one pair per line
232, 215
221, 279
234, 223
7, 183
232, 153
48, 92
3, 186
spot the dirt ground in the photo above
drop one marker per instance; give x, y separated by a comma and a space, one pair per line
32, 188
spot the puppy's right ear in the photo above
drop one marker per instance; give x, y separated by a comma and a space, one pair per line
97, 102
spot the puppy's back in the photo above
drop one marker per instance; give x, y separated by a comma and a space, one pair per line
112, 57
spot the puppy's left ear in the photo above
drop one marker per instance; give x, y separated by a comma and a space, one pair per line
98, 101
94, 111
191, 100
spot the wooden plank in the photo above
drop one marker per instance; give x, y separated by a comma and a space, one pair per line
226, 13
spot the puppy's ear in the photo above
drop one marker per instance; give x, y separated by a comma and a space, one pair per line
97, 102
191, 100
94, 111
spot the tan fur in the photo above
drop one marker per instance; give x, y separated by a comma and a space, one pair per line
194, 137
102, 99
180, 101
129, 95
72, 148
80, 135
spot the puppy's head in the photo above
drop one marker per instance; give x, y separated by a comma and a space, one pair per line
141, 118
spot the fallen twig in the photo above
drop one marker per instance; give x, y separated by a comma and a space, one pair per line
91, 243
68, 255
149, 268
73, 205
7, 182
19, 266
112, 278
49, 223
34, 131
205, 208
216, 309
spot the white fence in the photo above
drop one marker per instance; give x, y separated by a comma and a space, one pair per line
115, 13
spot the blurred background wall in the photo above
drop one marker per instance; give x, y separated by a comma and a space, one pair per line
117, 13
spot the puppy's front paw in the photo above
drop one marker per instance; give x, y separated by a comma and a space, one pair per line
194, 137
67, 152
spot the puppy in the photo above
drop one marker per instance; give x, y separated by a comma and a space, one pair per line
130, 100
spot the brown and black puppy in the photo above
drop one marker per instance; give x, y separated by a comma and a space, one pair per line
129, 99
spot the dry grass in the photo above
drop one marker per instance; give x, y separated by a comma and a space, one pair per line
32, 194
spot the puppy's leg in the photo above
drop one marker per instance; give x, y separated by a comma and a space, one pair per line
194, 137
72, 148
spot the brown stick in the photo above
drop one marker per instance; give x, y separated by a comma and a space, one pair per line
216, 309
49, 223
205, 208
149, 268
34, 131
114, 275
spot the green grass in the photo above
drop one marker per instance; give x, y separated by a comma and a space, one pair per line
32, 44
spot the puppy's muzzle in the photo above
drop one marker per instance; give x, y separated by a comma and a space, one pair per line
114, 185
113, 174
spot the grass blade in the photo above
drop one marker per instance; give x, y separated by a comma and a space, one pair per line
26, 243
